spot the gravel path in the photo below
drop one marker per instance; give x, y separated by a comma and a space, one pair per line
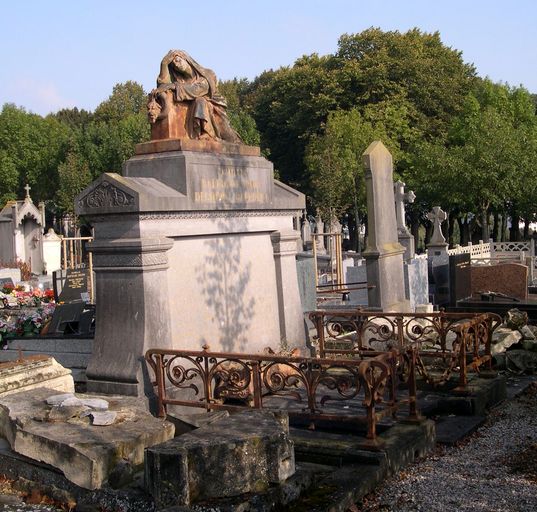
493, 470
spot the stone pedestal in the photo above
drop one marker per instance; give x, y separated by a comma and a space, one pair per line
132, 311
383, 254
191, 248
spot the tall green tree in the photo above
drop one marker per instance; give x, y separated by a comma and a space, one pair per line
382, 74
34, 147
74, 176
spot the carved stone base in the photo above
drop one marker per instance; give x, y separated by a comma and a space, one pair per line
190, 248
213, 146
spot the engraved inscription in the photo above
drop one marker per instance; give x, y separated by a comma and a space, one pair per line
106, 195
231, 185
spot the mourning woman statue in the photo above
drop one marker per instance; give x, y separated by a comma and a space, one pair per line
187, 103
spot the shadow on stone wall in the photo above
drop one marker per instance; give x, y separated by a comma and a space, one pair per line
223, 283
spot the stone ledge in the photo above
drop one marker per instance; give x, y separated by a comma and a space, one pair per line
211, 146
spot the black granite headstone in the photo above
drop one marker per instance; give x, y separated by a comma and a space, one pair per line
75, 287
460, 277
65, 318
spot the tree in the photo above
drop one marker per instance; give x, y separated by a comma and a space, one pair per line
411, 78
126, 99
34, 146
9, 178
334, 161
74, 176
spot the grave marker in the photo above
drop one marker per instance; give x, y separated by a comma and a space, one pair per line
460, 278
438, 258
75, 287
404, 235
384, 253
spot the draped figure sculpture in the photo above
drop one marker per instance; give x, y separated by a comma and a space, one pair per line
186, 103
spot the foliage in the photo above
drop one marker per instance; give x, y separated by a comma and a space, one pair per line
74, 176
410, 82
31, 147
334, 161
126, 99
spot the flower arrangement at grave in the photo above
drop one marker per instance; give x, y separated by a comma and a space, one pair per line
25, 325
7, 331
25, 297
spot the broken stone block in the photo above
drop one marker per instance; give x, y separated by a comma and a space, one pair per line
85, 453
242, 453
103, 418
504, 338
516, 319
34, 372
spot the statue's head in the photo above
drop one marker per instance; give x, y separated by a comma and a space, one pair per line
181, 64
153, 110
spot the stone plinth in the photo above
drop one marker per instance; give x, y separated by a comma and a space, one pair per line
85, 453
34, 372
240, 454
190, 248
384, 253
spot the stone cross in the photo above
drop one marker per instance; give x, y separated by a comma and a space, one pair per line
400, 198
27, 188
437, 216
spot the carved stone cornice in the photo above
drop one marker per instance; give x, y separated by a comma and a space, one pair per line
106, 195
216, 214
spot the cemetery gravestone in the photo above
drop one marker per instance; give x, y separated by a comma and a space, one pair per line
510, 279
460, 277
405, 237
384, 253
75, 287
438, 258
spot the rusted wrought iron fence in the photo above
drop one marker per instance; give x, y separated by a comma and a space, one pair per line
445, 342
313, 388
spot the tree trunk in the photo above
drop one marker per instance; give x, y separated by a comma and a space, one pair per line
496, 227
504, 227
514, 232
451, 229
527, 228
464, 230
415, 229
358, 228
485, 233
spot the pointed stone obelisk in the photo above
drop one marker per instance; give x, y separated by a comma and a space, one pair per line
384, 253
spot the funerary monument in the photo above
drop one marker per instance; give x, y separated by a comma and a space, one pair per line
194, 242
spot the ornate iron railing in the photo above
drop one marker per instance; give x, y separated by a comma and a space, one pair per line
314, 388
443, 341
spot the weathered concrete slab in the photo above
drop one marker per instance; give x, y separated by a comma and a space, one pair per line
84, 452
242, 453
34, 372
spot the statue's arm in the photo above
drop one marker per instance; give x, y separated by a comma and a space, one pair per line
191, 90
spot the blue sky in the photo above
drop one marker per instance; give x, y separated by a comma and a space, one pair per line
60, 53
